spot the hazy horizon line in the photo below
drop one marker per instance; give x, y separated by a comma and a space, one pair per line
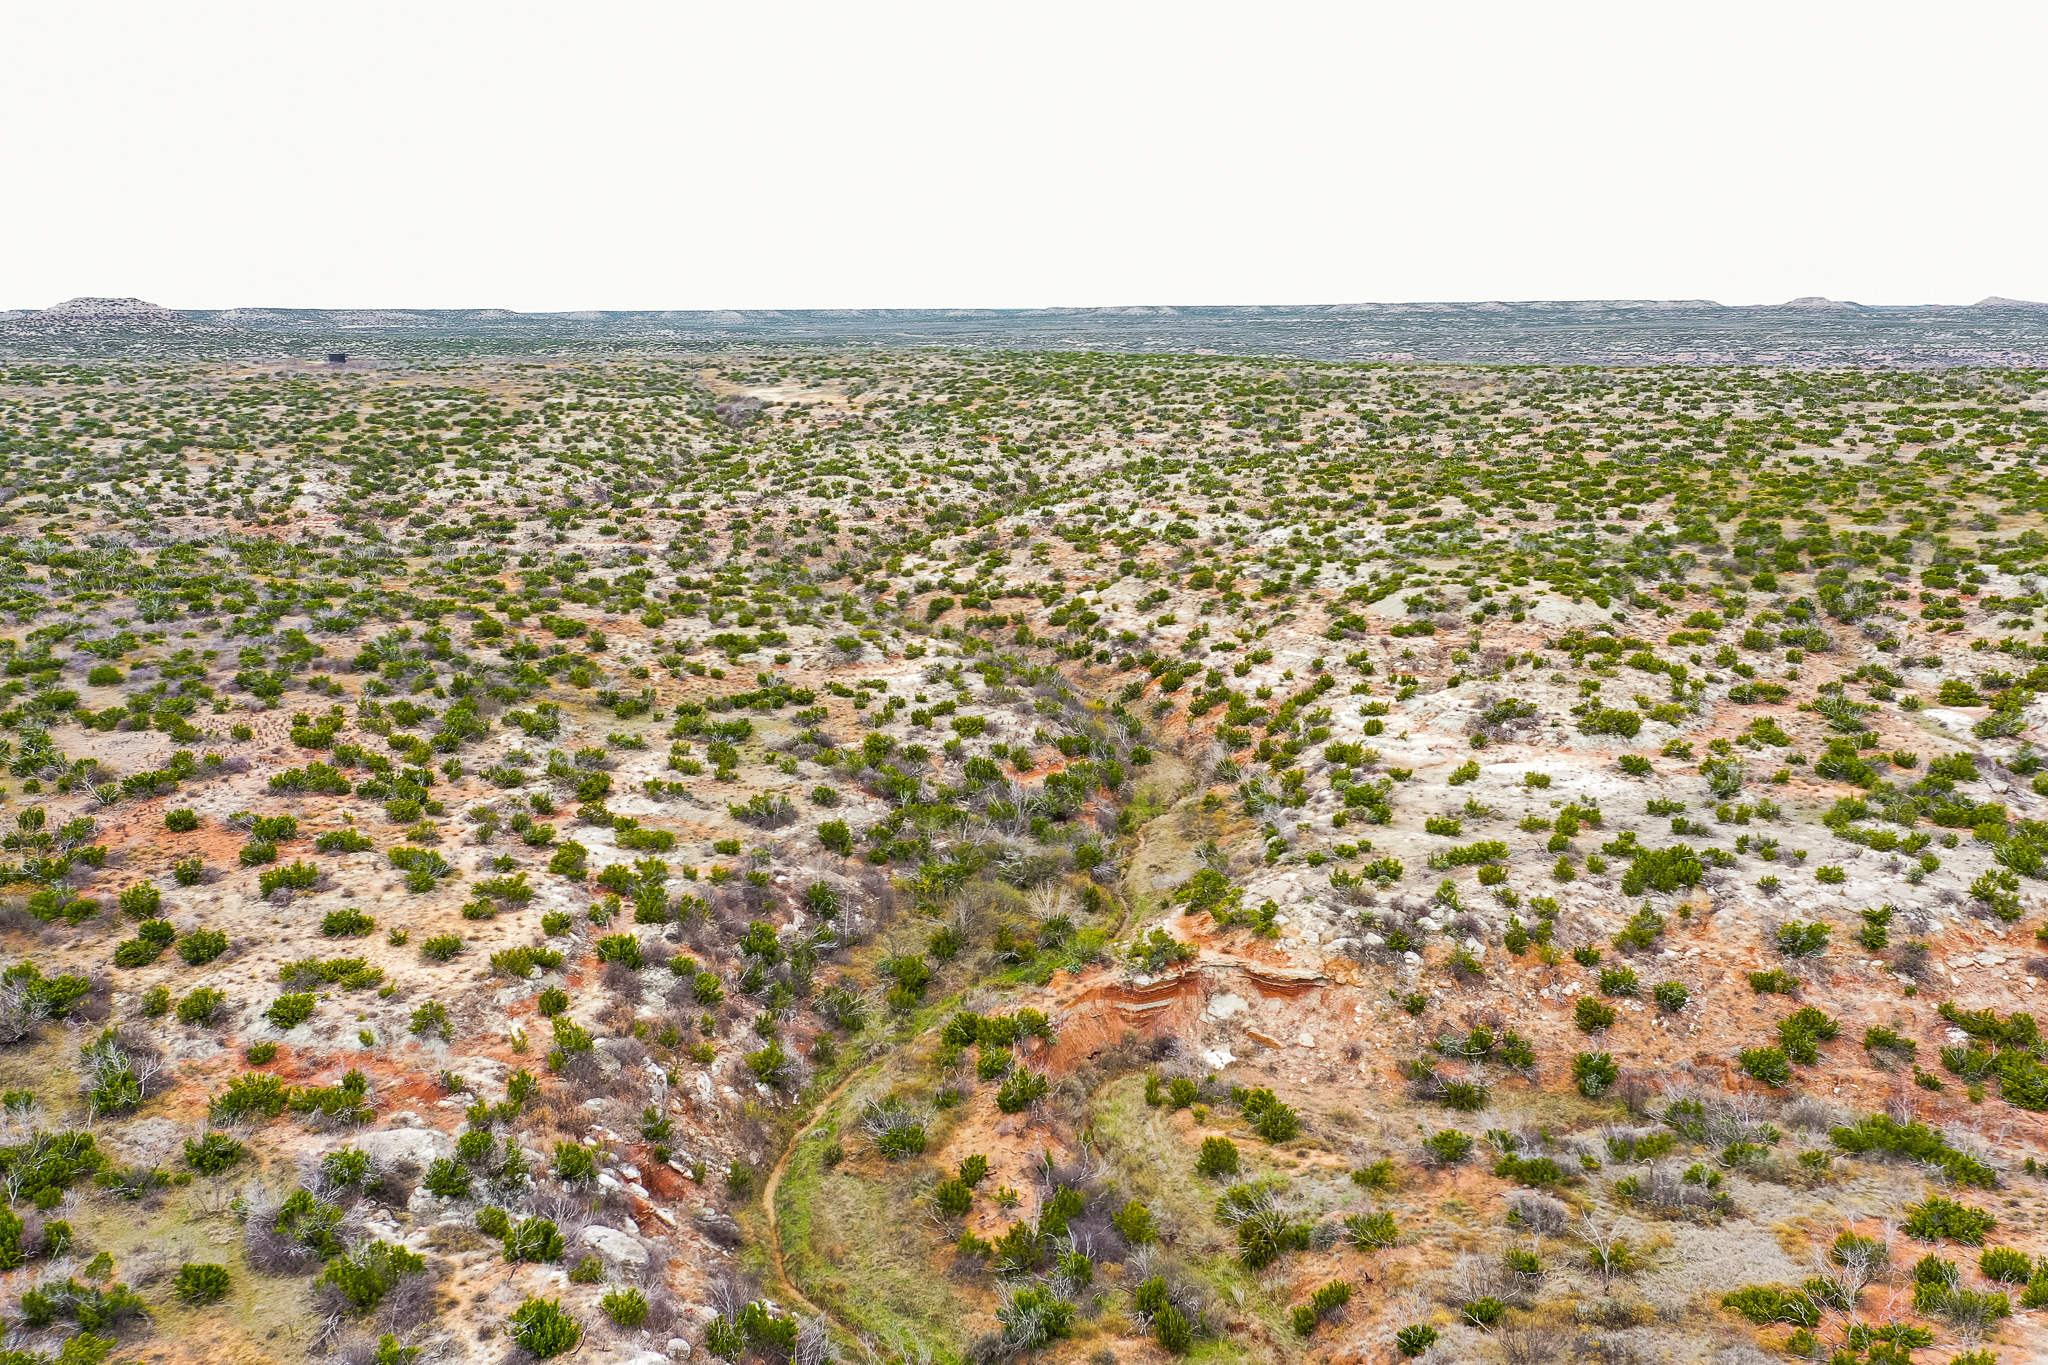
1804, 301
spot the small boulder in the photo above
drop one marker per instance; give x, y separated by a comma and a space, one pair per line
615, 1246
393, 1146
720, 1228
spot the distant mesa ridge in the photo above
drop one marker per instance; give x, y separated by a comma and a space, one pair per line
133, 310
1811, 330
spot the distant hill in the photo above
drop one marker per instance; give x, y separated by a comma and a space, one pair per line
107, 310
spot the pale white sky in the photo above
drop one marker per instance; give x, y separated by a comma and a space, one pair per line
609, 154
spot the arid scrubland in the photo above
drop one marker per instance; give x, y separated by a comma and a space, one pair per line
925, 856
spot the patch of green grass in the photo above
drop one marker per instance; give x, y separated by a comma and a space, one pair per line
1154, 1166
240, 1325
1152, 1163
845, 1247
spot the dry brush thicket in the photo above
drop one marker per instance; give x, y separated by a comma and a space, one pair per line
909, 856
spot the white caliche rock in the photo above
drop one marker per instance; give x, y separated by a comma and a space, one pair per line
608, 1063
198, 1049
614, 1245
1953, 721
423, 1146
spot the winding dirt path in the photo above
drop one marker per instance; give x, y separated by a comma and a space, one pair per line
784, 1284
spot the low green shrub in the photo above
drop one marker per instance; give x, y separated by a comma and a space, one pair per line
2006, 1265
202, 1283
253, 1094
291, 1009
214, 1153
1802, 1032
1269, 1117
349, 923
1763, 1304
1371, 1231
1593, 1072
202, 1006
1413, 1341
1218, 1157
1767, 1064
534, 1239
1942, 1219
625, 1307
1527, 1170
543, 1329
1448, 1147
441, 947
202, 946
364, 1273
1020, 1090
